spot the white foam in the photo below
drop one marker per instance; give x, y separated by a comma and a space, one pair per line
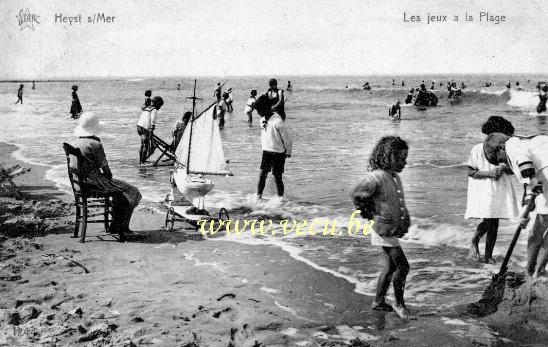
347, 333
523, 98
493, 91
290, 332
270, 290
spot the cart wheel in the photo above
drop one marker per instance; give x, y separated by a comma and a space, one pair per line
170, 219
223, 214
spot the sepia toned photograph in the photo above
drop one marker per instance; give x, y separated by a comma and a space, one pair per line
239, 173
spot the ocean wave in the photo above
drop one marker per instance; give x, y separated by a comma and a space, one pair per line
523, 99
493, 91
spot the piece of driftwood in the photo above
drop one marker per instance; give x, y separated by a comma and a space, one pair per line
73, 261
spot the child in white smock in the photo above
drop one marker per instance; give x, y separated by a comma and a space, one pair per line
491, 194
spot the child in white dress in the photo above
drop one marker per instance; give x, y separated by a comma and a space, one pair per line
491, 194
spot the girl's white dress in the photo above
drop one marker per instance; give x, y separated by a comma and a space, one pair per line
488, 198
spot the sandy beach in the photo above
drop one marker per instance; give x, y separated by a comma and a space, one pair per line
179, 289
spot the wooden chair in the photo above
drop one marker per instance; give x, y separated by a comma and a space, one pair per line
164, 147
87, 198
7, 176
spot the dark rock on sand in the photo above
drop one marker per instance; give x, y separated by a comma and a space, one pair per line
31, 218
97, 331
28, 313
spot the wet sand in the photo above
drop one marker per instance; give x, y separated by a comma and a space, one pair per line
178, 289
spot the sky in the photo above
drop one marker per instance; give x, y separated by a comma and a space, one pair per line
281, 37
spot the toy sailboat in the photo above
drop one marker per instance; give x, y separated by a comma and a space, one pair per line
199, 154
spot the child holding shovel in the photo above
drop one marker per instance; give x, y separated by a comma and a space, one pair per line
528, 158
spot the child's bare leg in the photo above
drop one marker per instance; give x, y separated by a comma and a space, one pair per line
384, 282
534, 242
542, 257
474, 249
491, 238
398, 280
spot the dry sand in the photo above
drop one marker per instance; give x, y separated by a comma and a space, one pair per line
178, 289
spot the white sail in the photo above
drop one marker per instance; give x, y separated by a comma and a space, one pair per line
206, 148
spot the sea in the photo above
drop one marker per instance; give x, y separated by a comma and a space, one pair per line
334, 124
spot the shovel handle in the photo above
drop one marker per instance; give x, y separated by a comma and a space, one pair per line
525, 214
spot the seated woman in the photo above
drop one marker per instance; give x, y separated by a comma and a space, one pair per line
98, 174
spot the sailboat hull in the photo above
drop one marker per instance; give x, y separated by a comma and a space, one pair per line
192, 187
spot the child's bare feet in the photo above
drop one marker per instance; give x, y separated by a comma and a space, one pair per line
383, 306
474, 252
403, 312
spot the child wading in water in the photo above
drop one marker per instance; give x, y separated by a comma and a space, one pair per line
491, 195
379, 196
250, 106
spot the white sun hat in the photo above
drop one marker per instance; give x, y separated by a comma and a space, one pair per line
89, 125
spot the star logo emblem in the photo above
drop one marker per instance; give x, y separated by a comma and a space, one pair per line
27, 19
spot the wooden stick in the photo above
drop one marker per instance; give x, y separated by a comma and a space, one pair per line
73, 261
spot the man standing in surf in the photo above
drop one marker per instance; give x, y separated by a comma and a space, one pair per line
276, 144
277, 98
379, 197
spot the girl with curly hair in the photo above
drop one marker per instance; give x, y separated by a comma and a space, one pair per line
379, 197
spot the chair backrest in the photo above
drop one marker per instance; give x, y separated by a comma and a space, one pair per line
74, 156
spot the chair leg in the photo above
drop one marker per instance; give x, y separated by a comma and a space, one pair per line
84, 223
106, 213
77, 223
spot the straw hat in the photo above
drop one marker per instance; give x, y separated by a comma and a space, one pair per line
89, 125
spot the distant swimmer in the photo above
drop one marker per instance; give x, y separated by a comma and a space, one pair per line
432, 87
441, 85
403, 83
518, 87
179, 86
393, 82
33, 85
366, 86
409, 98
462, 85
289, 86
20, 95
543, 96
395, 110
508, 85
452, 89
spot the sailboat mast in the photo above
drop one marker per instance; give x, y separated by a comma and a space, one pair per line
191, 126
